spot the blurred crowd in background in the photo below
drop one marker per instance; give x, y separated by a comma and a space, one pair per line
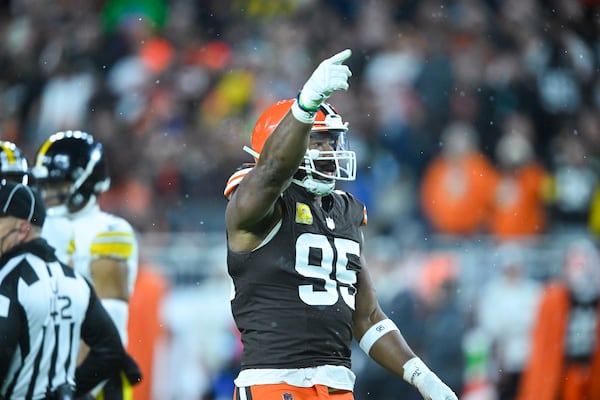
173, 88
475, 122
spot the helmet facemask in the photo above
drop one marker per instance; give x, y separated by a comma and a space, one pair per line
16, 177
326, 161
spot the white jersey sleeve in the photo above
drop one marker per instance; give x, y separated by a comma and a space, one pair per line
92, 234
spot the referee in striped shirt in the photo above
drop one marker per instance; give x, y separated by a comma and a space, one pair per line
46, 308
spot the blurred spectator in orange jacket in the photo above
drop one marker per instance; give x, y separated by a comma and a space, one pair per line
144, 328
564, 362
519, 191
457, 184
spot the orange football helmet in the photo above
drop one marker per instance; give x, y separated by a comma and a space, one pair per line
327, 123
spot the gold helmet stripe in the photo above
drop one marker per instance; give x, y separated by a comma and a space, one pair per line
42, 152
10, 154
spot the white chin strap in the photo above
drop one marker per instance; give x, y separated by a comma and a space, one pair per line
315, 186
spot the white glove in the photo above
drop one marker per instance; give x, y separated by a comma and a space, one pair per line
329, 76
429, 385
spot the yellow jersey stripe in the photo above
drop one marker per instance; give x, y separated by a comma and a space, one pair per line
125, 392
127, 388
113, 244
115, 235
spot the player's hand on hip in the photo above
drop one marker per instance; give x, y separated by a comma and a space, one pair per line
329, 76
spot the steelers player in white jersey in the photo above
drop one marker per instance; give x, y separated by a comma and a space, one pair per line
71, 171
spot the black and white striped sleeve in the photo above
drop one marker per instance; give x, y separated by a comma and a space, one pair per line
106, 353
11, 324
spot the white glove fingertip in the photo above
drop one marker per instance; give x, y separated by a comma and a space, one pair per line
340, 57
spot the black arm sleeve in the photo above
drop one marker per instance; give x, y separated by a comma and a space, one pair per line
106, 353
10, 331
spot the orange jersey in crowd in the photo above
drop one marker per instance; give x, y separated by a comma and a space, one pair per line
456, 195
519, 205
548, 376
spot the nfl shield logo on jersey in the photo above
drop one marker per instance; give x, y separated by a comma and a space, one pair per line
287, 396
330, 223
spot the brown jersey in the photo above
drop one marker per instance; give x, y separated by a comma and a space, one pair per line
294, 295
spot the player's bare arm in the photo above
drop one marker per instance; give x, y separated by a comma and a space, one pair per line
381, 339
110, 276
252, 210
391, 350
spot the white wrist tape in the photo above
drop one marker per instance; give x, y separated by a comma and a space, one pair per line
301, 115
414, 371
375, 332
119, 312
